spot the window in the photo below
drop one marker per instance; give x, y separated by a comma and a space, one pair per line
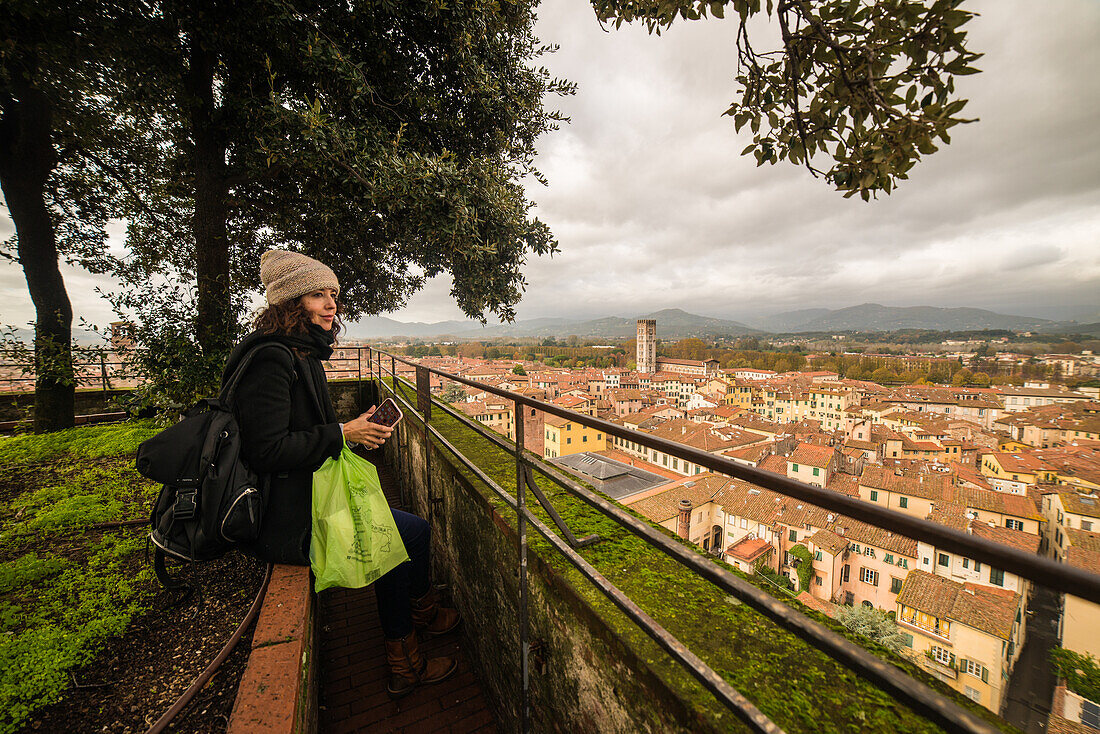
974, 694
844, 575
1014, 524
816, 471
975, 669
817, 555
817, 580
568, 440
874, 495
996, 577
977, 566
675, 463
888, 558
942, 656
868, 604
903, 502
794, 467
944, 559
1086, 525
895, 585
868, 576
584, 439
1090, 714
792, 535
599, 436
744, 523
907, 639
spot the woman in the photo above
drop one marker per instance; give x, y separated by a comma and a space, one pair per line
288, 429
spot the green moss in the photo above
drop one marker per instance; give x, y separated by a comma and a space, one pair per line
799, 687
59, 603
90, 442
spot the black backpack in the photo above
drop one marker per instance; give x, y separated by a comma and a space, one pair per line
210, 500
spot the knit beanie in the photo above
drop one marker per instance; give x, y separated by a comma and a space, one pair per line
287, 275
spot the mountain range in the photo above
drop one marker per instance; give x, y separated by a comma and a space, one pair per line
675, 323
672, 323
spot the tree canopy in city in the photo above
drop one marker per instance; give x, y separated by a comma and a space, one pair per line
857, 90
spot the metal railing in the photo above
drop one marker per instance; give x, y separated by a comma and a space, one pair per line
915, 694
97, 372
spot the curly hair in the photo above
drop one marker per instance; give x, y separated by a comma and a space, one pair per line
291, 317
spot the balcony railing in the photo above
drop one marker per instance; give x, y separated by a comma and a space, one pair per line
921, 698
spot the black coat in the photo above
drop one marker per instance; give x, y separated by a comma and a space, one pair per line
288, 429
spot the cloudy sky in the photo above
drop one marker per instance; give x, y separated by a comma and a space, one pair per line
654, 207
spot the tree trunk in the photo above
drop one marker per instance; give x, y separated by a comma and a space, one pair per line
214, 322
27, 157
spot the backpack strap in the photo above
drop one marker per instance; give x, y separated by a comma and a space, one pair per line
229, 390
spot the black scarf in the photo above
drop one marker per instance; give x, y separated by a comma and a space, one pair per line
316, 342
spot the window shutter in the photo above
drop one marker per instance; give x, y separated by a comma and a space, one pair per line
985, 675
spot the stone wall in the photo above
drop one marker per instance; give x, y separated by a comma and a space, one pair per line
17, 406
583, 676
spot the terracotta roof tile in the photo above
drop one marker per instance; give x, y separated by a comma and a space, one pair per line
989, 610
811, 455
749, 549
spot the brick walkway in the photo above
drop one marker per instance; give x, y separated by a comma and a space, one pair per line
354, 671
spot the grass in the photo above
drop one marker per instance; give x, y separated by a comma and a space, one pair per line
92, 442
797, 686
65, 589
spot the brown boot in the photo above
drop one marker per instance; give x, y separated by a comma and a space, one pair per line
408, 669
432, 618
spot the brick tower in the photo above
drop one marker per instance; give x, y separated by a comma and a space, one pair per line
647, 345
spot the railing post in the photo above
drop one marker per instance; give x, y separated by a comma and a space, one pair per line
521, 527
103, 373
424, 405
359, 375
399, 430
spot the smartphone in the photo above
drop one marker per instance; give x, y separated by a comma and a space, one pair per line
387, 414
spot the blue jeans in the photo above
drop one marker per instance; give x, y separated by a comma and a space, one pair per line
408, 581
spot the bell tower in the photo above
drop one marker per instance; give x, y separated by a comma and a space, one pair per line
647, 345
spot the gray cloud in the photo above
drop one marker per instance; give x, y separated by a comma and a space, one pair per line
654, 207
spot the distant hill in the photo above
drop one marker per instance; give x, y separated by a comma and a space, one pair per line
789, 321
81, 337
672, 323
875, 317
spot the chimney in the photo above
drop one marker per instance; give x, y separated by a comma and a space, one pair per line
684, 523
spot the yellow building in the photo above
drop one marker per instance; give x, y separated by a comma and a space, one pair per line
564, 437
490, 413
1017, 468
1065, 510
964, 634
1081, 618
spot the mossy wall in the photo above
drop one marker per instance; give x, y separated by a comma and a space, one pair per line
17, 406
582, 675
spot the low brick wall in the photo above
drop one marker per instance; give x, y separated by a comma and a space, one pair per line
278, 691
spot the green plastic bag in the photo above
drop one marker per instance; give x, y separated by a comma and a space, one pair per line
354, 539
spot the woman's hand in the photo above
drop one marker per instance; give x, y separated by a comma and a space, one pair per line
371, 435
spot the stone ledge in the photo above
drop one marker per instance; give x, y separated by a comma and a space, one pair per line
278, 691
